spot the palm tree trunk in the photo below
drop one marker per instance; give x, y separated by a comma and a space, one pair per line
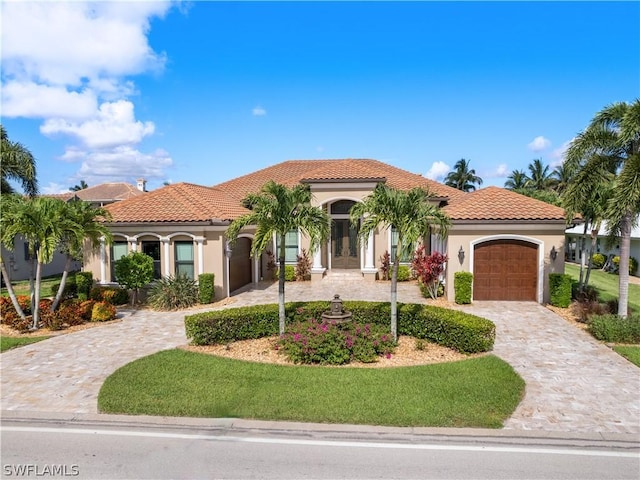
394, 297
281, 258
36, 305
12, 294
623, 271
63, 283
594, 239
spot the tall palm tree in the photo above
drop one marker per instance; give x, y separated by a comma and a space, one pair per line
411, 214
40, 222
562, 176
611, 143
81, 227
463, 178
17, 164
277, 210
539, 176
10, 205
81, 186
517, 180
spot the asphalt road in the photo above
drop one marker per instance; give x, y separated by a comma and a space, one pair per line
89, 450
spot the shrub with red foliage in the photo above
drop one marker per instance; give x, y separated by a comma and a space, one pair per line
428, 269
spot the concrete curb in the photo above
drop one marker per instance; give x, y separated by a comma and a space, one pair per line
235, 426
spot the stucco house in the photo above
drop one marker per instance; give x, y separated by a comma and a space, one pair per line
17, 261
574, 234
508, 241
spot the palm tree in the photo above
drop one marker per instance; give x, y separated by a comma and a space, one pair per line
81, 227
539, 178
40, 222
277, 210
17, 164
517, 180
10, 204
81, 186
611, 143
562, 176
462, 178
411, 214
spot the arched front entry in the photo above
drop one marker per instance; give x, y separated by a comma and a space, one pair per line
345, 251
240, 264
505, 269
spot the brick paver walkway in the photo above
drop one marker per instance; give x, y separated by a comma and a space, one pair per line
573, 382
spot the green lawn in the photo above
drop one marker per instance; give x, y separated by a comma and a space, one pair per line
631, 353
7, 343
606, 284
478, 392
22, 287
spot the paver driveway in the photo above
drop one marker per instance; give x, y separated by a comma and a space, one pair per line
573, 382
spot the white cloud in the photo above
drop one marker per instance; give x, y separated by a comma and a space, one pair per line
539, 143
438, 171
115, 125
502, 170
68, 63
558, 154
123, 164
258, 111
68, 43
34, 100
53, 188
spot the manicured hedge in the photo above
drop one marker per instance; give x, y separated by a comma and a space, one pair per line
206, 288
612, 328
560, 289
458, 330
462, 282
84, 282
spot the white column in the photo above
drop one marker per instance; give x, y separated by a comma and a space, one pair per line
167, 263
369, 262
103, 261
317, 261
200, 242
134, 245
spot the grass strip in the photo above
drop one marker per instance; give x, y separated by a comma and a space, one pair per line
7, 343
630, 352
479, 392
606, 284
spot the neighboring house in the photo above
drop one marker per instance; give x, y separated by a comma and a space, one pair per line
573, 250
17, 261
508, 241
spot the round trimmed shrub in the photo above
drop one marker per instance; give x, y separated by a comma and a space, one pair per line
103, 312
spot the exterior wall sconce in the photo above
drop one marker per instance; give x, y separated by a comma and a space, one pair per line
554, 253
228, 251
461, 255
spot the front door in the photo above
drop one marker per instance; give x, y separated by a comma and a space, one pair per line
344, 245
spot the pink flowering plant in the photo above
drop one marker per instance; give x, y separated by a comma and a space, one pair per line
331, 343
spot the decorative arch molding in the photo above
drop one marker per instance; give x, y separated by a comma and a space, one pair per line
523, 238
341, 197
184, 234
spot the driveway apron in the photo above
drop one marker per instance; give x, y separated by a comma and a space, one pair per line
573, 382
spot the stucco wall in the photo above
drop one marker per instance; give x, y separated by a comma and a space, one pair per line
466, 236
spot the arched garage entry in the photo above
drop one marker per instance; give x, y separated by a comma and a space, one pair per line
240, 264
505, 269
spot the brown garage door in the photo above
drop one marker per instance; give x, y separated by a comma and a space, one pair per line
505, 270
240, 264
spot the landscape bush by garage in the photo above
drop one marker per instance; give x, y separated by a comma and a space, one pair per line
458, 330
206, 287
462, 282
612, 328
560, 289
289, 273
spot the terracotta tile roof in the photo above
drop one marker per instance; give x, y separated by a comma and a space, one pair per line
293, 172
104, 192
495, 203
180, 202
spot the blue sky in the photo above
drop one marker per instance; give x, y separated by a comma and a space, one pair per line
203, 92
